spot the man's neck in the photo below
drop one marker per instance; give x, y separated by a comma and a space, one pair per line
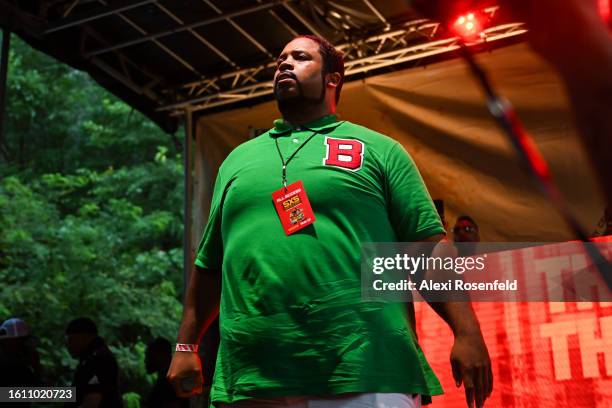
304, 115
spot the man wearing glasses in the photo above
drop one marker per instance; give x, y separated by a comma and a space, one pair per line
466, 232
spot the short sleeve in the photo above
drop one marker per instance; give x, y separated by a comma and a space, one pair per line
411, 210
210, 249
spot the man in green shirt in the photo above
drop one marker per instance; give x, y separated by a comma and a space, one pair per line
289, 212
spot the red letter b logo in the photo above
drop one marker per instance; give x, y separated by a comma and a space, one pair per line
346, 153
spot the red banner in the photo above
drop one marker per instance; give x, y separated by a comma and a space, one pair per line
544, 354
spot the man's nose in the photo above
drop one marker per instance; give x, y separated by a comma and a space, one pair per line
286, 65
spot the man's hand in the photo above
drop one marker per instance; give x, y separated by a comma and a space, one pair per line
200, 310
472, 366
185, 374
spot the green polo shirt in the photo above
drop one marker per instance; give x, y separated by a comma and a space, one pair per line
292, 321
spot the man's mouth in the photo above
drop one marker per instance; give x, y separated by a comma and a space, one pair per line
285, 77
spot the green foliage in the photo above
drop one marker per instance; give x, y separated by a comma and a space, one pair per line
90, 218
131, 400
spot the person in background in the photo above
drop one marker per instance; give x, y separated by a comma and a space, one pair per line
157, 360
466, 232
97, 375
19, 359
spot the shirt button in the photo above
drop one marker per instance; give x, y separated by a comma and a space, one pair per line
296, 141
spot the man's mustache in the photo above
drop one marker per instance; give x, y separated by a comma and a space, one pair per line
285, 75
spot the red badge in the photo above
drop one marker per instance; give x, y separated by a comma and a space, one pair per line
293, 207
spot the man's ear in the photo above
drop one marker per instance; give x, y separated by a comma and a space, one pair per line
333, 79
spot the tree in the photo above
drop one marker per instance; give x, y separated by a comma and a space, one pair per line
91, 216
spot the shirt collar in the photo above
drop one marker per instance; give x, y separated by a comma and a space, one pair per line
283, 128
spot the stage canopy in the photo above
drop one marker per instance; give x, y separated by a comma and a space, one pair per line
165, 57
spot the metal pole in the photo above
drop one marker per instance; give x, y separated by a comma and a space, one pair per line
376, 12
197, 24
159, 44
240, 29
98, 14
309, 25
197, 35
6, 43
187, 163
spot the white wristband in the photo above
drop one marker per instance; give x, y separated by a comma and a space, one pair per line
193, 348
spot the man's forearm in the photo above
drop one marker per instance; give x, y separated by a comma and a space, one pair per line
459, 316
470, 361
201, 304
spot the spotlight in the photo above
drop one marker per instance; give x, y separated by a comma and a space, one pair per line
604, 9
468, 26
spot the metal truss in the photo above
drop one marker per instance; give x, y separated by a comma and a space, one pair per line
390, 46
411, 42
116, 50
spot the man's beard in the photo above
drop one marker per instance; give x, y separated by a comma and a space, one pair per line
299, 101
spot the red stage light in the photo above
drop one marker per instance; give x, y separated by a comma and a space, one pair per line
604, 9
468, 26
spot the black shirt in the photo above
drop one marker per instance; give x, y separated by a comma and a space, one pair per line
15, 370
162, 395
98, 372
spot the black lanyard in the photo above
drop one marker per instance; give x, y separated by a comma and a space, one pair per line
285, 163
